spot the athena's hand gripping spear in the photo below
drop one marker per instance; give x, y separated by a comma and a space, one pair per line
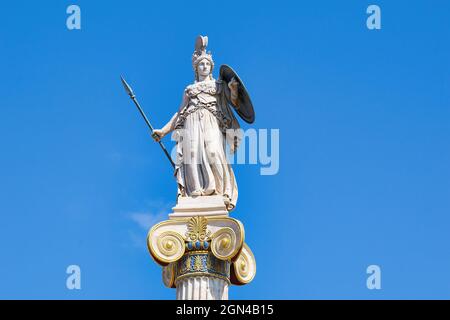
133, 97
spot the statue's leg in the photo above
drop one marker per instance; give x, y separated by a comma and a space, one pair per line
193, 162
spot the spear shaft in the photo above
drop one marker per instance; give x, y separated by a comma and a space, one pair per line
133, 97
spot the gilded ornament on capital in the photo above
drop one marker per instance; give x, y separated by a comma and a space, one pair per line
197, 229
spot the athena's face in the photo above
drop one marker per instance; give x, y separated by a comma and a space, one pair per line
204, 68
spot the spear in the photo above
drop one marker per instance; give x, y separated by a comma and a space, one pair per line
133, 97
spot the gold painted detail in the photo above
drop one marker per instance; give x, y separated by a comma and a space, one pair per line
168, 275
224, 244
169, 247
244, 267
201, 263
197, 229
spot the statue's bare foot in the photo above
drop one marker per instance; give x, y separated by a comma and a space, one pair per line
196, 193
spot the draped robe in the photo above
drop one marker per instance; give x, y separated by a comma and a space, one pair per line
201, 135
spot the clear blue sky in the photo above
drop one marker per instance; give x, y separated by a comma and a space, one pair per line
364, 119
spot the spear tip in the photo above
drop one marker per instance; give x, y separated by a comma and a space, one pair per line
127, 86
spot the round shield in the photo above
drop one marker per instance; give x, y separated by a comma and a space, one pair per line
244, 106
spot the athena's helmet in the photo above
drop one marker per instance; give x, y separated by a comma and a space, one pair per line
200, 54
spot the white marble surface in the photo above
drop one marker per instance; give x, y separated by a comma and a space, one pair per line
199, 206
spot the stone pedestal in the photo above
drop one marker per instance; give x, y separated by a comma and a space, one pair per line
201, 249
199, 206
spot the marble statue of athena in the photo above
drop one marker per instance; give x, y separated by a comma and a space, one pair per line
202, 127
201, 249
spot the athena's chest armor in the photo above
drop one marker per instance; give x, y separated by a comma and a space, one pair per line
203, 92
204, 96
